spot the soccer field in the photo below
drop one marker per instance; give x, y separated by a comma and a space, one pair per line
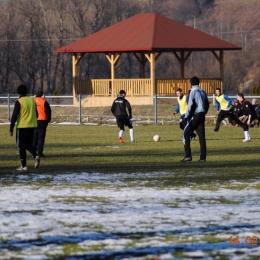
95, 198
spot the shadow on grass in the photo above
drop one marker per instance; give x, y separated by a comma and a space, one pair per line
203, 173
134, 158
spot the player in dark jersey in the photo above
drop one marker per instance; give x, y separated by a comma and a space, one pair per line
123, 118
248, 116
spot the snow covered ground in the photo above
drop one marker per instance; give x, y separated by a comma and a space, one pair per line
124, 216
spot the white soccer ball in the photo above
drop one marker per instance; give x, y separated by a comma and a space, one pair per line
156, 138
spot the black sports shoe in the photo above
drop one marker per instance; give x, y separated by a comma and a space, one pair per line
216, 130
186, 159
201, 160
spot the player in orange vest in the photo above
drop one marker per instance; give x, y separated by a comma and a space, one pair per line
44, 117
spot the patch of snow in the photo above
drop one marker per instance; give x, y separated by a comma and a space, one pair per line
111, 211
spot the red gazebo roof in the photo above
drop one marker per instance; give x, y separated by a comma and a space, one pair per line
147, 32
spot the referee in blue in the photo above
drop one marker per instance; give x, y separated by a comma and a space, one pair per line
198, 105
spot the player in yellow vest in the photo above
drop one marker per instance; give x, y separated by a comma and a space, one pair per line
181, 108
223, 107
25, 115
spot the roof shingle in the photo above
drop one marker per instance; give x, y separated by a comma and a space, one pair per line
147, 32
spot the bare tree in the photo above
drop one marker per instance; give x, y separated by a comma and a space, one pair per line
124, 9
61, 23
7, 47
156, 6
78, 11
31, 30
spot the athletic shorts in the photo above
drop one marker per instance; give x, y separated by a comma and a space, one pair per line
24, 138
123, 121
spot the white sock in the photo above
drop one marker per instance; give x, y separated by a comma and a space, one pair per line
248, 134
131, 131
121, 132
224, 122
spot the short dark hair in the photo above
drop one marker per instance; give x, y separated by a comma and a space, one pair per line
39, 93
241, 95
194, 81
122, 92
22, 90
179, 89
218, 89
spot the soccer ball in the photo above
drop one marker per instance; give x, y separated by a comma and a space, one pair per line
156, 138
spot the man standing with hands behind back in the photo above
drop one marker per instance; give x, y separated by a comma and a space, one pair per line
198, 105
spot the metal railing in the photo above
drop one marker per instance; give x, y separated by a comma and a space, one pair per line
62, 101
7, 101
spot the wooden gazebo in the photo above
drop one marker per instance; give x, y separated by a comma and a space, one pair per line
146, 36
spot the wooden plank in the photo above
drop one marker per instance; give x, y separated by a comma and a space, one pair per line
140, 87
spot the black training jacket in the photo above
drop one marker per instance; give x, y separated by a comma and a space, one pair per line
248, 109
119, 107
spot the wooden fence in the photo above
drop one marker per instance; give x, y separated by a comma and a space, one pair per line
140, 87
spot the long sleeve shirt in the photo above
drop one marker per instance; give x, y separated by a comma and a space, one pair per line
223, 102
120, 107
197, 103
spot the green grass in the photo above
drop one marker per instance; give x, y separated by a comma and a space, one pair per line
231, 164
96, 149
165, 110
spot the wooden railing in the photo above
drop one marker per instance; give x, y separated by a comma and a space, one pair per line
103, 87
141, 87
169, 86
133, 87
100, 87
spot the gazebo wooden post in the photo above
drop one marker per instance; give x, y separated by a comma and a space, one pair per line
220, 59
113, 71
182, 64
74, 74
154, 92
151, 58
182, 59
221, 68
76, 58
113, 60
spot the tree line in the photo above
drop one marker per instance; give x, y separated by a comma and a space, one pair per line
31, 31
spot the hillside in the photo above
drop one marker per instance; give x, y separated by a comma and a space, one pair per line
236, 21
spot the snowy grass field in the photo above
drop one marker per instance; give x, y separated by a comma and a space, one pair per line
94, 198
